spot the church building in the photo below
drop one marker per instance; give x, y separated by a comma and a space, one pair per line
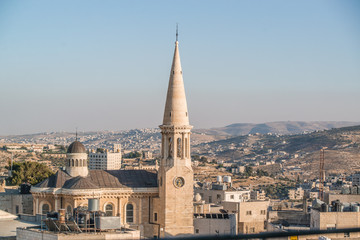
158, 203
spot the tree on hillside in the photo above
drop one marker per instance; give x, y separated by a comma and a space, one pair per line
260, 173
29, 172
248, 171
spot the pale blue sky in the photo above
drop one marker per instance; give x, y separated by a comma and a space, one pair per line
104, 65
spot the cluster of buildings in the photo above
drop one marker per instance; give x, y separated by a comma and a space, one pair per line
94, 193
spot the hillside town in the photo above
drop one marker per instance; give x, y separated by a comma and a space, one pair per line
267, 192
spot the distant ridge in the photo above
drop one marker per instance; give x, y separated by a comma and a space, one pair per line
282, 127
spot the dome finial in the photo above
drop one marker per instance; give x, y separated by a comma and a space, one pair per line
76, 134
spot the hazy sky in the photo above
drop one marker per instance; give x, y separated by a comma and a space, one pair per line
104, 65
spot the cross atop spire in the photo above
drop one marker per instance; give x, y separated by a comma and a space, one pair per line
177, 32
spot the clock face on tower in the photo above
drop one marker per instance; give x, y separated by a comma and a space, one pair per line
179, 182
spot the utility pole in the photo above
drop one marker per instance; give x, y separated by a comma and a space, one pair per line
322, 174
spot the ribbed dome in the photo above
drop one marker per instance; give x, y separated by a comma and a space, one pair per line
76, 147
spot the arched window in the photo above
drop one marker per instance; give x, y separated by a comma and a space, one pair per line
69, 210
69, 164
45, 208
109, 209
163, 146
76, 163
170, 148
84, 163
178, 149
72, 163
129, 213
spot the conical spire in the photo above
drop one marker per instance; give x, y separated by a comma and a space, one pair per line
176, 112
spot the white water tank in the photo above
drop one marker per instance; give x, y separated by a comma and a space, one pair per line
219, 179
227, 179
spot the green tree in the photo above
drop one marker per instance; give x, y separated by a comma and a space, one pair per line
260, 173
135, 154
100, 150
29, 172
195, 157
248, 171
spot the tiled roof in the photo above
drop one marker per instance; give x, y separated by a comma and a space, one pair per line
79, 183
102, 179
123, 178
55, 181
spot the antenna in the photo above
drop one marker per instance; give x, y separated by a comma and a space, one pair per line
177, 32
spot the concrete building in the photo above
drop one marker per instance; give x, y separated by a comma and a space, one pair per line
296, 194
215, 224
258, 195
212, 219
330, 197
220, 192
356, 179
336, 216
106, 160
157, 203
147, 155
251, 216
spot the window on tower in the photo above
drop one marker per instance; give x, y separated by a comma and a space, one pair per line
170, 147
179, 147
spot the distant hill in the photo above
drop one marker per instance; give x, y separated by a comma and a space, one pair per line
342, 152
283, 128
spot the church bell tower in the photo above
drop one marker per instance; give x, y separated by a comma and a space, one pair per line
175, 172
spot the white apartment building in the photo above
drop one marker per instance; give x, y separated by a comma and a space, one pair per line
221, 192
106, 160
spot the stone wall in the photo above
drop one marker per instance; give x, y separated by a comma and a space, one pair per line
16, 203
35, 234
290, 216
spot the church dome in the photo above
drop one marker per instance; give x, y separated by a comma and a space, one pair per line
76, 147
